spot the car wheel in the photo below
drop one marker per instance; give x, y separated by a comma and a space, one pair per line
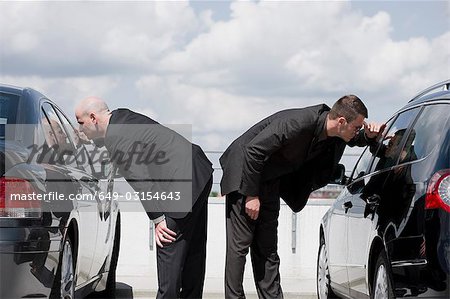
382, 282
110, 289
324, 290
64, 285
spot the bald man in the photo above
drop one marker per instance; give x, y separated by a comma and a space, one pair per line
154, 159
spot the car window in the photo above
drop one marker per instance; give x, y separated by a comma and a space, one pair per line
58, 147
427, 131
364, 162
389, 149
8, 111
81, 156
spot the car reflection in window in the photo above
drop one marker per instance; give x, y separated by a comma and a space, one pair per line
390, 193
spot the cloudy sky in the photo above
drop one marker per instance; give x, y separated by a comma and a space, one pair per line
222, 66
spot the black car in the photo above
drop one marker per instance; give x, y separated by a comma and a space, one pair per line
388, 233
59, 231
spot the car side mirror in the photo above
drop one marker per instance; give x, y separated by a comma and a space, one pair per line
339, 177
105, 168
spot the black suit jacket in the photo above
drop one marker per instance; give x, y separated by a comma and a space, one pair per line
154, 158
286, 146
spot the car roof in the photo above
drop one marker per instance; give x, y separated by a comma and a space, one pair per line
30, 100
11, 88
21, 91
438, 92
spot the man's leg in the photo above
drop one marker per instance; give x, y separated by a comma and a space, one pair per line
266, 262
265, 259
170, 260
239, 229
193, 275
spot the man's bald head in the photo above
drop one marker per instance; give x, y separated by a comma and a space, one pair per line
93, 115
91, 104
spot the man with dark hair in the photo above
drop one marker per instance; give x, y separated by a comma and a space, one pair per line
288, 154
349, 107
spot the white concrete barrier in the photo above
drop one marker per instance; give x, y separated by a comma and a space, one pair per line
137, 262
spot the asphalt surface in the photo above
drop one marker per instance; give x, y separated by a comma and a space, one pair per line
136, 271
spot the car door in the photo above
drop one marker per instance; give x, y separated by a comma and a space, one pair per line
414, 232
338, 234
101, 190
337, 244
367, 196
80, 184
356, 223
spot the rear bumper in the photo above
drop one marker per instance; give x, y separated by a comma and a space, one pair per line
29, 259
419, 279
27, 274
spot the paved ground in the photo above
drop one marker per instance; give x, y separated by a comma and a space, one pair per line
136, 272
132, 286
126, 291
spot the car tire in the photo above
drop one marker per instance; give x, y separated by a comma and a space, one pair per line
110, 290
64, 283
324, 290
382, 279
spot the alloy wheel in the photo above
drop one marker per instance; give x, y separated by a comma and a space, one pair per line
323, 274
381, 284
67, 272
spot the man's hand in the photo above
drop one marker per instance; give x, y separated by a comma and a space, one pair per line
252, 204
373, 130
163, 234
81, 138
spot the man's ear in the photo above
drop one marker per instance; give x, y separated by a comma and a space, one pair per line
342, 120
93, 118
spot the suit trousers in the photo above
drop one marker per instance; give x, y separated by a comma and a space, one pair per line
181, 264
260, 236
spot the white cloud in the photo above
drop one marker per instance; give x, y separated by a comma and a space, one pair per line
61, 38
209, 109
213, 141
172, 63
24, 42
308, 48
149, 112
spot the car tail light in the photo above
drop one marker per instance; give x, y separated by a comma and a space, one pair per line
17, 199
438, 192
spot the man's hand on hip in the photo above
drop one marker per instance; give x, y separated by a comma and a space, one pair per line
163, 234
252, 205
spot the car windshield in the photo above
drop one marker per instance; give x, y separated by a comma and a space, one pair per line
8, 111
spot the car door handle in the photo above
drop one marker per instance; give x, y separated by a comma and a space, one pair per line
92, 183
373, 200
347, 205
